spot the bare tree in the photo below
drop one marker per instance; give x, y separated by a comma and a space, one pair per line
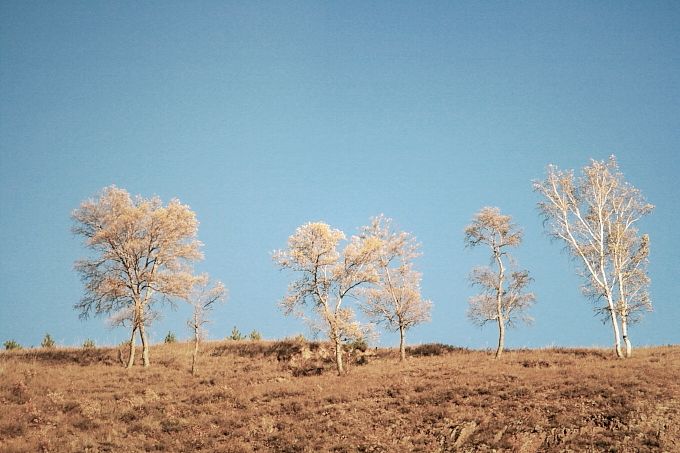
395, 298
202, 299
140, 250
327, 279
502, 298
595, 215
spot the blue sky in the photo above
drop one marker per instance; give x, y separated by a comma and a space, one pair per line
265, 115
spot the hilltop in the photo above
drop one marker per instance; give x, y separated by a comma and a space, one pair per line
285, 396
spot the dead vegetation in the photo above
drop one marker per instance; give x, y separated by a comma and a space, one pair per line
285, 396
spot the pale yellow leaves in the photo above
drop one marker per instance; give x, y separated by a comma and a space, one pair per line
394, 299
139, 246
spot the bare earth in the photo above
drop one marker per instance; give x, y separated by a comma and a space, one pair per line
285, 396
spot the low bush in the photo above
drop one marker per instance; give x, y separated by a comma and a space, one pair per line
11, 344
433, 349
358, 344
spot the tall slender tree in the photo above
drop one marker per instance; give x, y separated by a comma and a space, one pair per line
395, 298
596, 215
202, 298
502, 299
632, 281
142, 253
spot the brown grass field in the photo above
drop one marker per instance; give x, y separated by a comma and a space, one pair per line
284, 396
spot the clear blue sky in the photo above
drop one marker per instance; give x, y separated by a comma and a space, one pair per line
265, 115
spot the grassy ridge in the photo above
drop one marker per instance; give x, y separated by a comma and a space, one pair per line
284, 396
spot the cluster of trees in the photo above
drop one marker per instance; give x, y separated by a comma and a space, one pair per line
375, 267
143, 253
236, 335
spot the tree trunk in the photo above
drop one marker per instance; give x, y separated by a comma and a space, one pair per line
402, 345
338, 356
145, 346
624, 332
610, 298
193, 357
131, 356
624, 315
501, 336
499, 304
615, 326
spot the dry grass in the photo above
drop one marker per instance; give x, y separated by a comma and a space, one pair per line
282, 396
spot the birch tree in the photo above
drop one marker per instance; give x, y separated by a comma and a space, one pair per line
395, 298
141, 254
202, 299
595, 215
502, 299
630, 265
327, 279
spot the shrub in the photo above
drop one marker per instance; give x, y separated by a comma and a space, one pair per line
299, 338
255, 335
11, 344
358, 344
433, 349
236, 334
88, 344
47, 341
170, 338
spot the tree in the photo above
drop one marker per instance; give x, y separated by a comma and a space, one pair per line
170, 337
254, 335
235, 334
595, 216
395, 298
630, 265
502, 298
47, 342
202, 299
327, 279
141, 255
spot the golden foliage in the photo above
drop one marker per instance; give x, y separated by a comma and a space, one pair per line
325, 278
140, 249
394, 299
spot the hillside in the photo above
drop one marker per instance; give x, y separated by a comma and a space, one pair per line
284, 396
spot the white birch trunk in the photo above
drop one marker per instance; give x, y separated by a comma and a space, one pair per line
626, 340
131, 356
145, 346
402, 344
501, 336
193, 356
615, 326
338, 356
499, 306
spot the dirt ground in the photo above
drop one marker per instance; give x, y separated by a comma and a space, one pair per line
285, 396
